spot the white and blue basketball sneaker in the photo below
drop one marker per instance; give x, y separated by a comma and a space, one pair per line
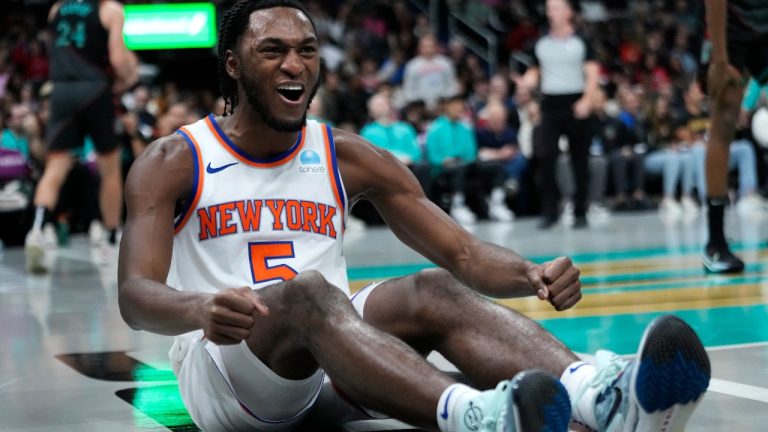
533, 401
661, 388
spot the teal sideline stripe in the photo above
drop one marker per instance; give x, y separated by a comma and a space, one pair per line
621, 333
660, 275
385, 272
389, 271
590, 257
709, 282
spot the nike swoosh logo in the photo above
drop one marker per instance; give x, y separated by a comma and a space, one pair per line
616, 406
213, 170
444, 414
573, 369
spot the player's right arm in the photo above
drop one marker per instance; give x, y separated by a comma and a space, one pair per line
158, 179
716, 22
123, 61
721, 74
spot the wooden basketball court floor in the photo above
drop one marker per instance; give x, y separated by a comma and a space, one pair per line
68, 362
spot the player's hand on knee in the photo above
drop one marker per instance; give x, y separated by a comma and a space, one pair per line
563, 283
229, 315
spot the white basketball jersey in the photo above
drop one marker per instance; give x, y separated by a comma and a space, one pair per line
256, 222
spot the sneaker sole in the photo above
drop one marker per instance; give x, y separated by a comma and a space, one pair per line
34, 256
540, 403
672, 374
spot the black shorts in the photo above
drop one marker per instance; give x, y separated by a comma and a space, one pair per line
79, 109
747, 49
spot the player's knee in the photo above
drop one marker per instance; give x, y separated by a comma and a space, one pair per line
308, 279
310, 286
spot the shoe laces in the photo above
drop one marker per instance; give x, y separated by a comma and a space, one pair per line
609, 368
492, 416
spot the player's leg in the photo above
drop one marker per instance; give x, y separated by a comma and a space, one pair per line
725, 110
110, 192
57, 166
99, 120
725, 106
313, 323
433, 311
62, 135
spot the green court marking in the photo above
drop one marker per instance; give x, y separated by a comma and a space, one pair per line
712, 282
622, 333
397, 270
661, 275
161, 403
146, 373
385, 272
609, 256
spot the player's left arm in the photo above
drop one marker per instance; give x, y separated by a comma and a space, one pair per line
123, 61
375, 174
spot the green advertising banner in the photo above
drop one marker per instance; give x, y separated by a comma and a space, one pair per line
170, 26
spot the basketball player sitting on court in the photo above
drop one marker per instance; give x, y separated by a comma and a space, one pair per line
233, 245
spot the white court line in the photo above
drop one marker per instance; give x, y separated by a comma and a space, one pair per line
6, 384
743, 391
737, 346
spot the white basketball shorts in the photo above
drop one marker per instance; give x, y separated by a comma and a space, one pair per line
229, 388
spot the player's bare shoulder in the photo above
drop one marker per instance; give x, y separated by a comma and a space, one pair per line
171, 149
165, 166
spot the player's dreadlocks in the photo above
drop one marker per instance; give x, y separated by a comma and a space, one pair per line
232, 27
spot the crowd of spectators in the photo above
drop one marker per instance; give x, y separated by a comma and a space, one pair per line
464, 129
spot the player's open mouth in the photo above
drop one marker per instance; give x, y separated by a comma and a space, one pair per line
291, 92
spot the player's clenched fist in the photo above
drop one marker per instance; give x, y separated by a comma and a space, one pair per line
229, 315
556, 281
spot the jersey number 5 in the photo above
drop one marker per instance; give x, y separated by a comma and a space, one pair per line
259, 254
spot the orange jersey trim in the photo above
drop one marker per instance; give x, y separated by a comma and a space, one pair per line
198, 181
333, 175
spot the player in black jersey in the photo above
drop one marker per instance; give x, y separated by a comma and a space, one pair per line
90, 64
738, 32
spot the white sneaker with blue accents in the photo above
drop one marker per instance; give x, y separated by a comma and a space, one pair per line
533, 401
660, 389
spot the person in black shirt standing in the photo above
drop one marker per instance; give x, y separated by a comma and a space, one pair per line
566, 70
738, 32
89, 65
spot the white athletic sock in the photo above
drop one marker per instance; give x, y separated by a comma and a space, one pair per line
39, 218
452, 398
575, 378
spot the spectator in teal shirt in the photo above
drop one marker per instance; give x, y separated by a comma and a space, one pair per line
398, 137
13, 137
752, 95
451, 146
450, 141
